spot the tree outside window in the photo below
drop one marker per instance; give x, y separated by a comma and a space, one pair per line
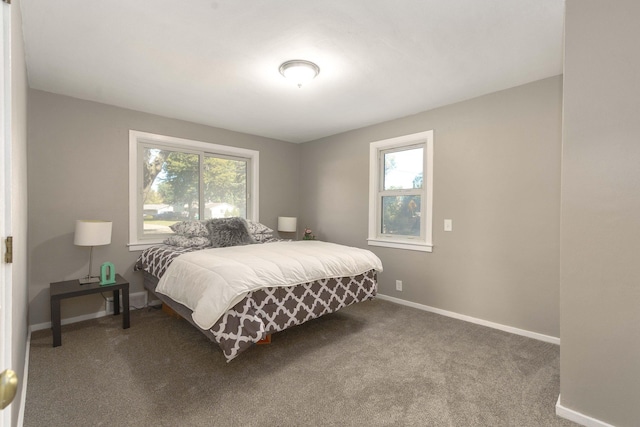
171, 188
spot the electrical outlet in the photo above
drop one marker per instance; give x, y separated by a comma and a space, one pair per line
108, 305
399, 285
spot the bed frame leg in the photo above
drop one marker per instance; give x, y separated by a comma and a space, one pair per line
265, 340
170, 311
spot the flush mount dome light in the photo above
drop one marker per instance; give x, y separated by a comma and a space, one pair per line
299, 71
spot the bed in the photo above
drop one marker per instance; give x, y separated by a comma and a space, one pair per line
239, 295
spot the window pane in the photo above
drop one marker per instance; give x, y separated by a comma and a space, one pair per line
403, 169
170, 189
225, 187
401, 215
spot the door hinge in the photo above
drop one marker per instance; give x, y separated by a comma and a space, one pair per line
8, 255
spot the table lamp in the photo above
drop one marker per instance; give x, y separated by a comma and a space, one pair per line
288, 224
92, 233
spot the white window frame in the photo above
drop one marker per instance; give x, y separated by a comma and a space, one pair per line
376, 179
137, 138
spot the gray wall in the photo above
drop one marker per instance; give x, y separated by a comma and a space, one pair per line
496, 174
78, 168
19, 297
600, 239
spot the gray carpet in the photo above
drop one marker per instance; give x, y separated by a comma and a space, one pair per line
375, 363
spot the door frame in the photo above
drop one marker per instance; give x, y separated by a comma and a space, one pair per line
5, 193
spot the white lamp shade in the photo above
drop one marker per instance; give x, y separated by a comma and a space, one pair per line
287, 224
92, 233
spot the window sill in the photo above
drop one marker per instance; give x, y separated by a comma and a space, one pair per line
134, 247
411, 246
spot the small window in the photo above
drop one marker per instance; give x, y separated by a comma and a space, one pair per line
401, 192
173, 179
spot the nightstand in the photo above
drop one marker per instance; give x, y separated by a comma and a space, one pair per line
72, 288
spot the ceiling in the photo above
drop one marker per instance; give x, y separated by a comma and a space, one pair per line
216, 62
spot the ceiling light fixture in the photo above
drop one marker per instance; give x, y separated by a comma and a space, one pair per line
299, 71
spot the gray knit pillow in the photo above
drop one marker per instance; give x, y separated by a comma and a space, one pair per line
225, 232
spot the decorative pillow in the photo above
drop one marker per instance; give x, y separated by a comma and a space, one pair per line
190, 228
225, 232
187, 242
262, 238
258, 228
259, 232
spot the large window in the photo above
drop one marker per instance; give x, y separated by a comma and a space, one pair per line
173, 179
401, 192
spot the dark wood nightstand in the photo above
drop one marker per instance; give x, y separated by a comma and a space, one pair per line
72, 288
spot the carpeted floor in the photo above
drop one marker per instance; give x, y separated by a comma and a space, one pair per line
372, 364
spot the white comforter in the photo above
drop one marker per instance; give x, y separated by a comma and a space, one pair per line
212, 281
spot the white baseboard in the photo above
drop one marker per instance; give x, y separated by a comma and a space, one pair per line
25, 379
67, 321
510, 329
102, 313
578, 417
137, 300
